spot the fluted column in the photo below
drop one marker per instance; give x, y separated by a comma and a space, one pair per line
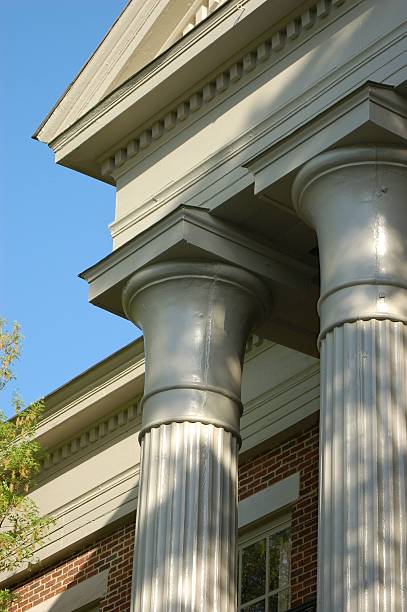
196, 318
355, 198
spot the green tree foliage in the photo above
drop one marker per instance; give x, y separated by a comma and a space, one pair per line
22, 529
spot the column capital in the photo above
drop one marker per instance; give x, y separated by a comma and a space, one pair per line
354, 198
196, 317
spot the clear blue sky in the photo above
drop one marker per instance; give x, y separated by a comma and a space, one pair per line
53, 220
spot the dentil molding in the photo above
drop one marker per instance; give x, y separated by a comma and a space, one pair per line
268, 51
92, 435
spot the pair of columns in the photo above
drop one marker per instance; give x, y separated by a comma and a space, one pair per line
196, 317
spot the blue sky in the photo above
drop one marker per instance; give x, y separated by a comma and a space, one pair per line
53, 220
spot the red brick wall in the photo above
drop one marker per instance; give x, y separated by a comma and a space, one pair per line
114, 552
300, 454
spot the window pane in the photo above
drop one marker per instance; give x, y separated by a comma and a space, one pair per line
273, 603
253, 572
279, 555
260, 606
279, 602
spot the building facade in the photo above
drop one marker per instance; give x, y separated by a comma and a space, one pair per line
90, 478
251, 452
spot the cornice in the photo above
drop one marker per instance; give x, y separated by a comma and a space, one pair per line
91, 436
269, 51
229, 169
127, 35
117, 380
147, 73
219, 36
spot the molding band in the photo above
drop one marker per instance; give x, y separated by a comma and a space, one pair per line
196, 387
92, 435
193, 405
372, 316
387, 282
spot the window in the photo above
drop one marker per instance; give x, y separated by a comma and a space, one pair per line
264, 569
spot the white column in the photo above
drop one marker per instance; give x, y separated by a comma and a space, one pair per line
356, 199
196, 318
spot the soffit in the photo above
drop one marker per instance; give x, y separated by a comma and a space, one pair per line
113, 382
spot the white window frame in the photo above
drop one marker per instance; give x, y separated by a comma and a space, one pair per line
249, 536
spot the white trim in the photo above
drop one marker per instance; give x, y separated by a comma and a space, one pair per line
264, 531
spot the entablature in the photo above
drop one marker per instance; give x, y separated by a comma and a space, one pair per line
204, 160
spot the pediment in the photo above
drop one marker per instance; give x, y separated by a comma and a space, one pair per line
143, 31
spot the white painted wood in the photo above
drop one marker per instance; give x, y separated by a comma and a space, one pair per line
114, 383
134, 40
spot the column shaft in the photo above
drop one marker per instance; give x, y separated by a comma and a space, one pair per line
363, 507
186, 524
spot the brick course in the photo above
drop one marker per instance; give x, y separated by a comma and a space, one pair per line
299, 454
115, 551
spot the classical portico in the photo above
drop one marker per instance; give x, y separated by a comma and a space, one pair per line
260, 166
